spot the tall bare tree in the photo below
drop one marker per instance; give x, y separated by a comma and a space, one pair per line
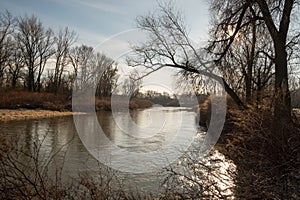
63, 43
279, 33
45, 51
275, 15
36, 45
132, 84
93, 69
7, 23
168, 45
107, 75
15, 66
80, 57
248, 63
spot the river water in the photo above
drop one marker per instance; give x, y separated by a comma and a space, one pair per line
59, 143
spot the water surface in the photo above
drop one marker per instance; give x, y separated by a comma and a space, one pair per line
144, 131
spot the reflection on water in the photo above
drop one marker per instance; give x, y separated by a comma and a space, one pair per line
143, 131
147, 130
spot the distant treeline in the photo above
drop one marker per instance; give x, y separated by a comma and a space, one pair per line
165, 99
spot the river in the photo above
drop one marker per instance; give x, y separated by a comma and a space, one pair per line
155, 129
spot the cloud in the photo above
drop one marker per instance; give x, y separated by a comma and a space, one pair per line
102, 6
89, 37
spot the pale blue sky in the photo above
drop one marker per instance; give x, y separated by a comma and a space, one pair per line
95, 20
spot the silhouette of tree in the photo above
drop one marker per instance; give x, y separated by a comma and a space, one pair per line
7, 23
275, 16
168, 45
36, 45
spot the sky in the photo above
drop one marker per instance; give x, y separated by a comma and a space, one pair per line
96, 21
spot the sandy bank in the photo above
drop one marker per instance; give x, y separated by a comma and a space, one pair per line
23, 114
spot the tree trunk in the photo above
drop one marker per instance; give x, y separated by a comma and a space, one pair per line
30, 80
259, 87
250, 64
233, 95
221, 80
248, 80
282, 109
14, 82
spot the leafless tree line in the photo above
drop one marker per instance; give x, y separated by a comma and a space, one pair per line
35, 58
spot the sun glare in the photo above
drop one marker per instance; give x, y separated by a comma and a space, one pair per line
230, 33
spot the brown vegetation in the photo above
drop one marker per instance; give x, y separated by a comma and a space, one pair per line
135, 103
59, 102
24, 114
265, 151
34, 100
205, 109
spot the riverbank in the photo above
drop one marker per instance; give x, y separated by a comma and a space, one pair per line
24, 114
34, 100
47, 101
265, 152
23, 105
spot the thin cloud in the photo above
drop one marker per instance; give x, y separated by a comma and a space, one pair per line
89, 37
102, 6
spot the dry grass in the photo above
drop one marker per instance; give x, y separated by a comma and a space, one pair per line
49, 101
34, 100
205, 109
21, 114
105, 104
266, 152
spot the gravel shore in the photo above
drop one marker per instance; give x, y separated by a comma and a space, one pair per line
24, 114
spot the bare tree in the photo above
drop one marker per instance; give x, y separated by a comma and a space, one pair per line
248, 64
107, 75
75, 60
263, 74
63, 42
132, 84
15, 66
275, 15
169, 46
36, 45
7, 23
93, 69
80, 57
45, 51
